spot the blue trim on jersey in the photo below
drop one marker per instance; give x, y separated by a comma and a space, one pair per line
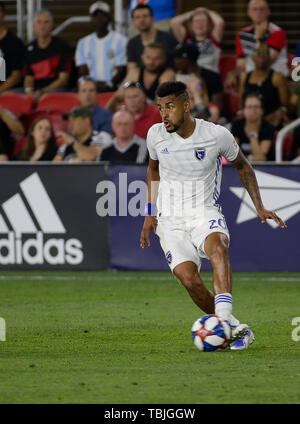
216, 193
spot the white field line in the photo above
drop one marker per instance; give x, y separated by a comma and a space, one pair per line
119, 278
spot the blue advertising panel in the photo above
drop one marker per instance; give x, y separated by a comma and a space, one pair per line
254, 246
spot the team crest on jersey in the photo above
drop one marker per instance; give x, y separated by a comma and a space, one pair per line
169, 257
200, 153
111, 54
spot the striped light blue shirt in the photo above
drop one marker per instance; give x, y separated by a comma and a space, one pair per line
102, 55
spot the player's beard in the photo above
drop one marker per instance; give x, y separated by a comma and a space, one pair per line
176, 126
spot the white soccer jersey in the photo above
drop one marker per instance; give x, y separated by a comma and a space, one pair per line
192, 167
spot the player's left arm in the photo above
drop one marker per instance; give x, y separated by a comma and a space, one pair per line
248, 178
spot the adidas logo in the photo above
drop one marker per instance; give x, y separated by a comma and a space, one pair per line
31, 212
165, 150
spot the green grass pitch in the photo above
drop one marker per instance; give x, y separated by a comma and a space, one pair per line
124, 337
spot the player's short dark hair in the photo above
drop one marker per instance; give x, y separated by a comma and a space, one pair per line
140, 7
2, 7
177, 89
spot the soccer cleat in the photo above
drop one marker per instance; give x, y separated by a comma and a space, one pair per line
238, 331
244, 342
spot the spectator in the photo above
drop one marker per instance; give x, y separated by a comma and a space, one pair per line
205, 31
126, 147
144, 22
153, 73
163, 11
40, 142
88, 95
102, 54
10, 126
295, 87
253, 133
83, 144
145, 115
48, 60
261, 31
188, 72
12, 50
201, 107
269, 84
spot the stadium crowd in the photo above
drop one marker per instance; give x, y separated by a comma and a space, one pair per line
99, 102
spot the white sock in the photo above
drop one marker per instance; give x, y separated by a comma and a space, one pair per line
223, 306
233, 320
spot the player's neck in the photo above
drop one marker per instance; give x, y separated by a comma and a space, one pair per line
187, 128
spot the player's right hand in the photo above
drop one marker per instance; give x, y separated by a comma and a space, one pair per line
150, 223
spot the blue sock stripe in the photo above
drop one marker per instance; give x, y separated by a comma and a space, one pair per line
223, 301
223, 297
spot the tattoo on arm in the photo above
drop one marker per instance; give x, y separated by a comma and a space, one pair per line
248, 179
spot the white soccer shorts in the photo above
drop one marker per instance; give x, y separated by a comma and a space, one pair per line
182, 239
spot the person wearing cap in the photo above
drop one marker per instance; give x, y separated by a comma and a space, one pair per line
83, 143
102, 54
153, 73
187, 71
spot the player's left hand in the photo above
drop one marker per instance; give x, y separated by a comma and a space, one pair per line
150, 224
264, 215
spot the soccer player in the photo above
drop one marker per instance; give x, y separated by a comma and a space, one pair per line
185, 170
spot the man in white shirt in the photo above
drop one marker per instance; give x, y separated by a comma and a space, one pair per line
185, 153
102, 54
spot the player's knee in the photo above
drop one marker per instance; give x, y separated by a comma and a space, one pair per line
220, 249
189, 279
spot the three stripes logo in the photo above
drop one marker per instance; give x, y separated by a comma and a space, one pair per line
26, 221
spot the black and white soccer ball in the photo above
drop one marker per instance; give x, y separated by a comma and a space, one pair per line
211, 333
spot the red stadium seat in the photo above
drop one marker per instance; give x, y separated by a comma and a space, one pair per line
104, 97
58, 102
287, 147
17, 103
230, 103
227, 63
19, 145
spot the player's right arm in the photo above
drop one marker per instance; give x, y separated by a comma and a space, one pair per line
152, 190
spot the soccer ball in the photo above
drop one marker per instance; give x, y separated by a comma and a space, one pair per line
211, 333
